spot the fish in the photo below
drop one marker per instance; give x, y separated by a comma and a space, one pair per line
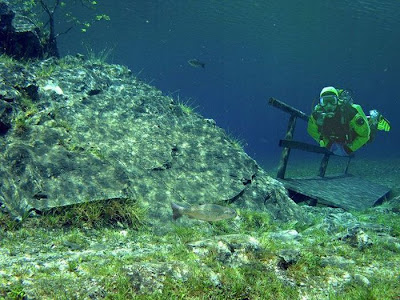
204, 212
196, 63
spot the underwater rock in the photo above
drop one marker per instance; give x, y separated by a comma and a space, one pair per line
361, 279
5, 117
285, 235
288, 257
230, 249
100, 133
19, 38
356, 237
337, 261
148, 278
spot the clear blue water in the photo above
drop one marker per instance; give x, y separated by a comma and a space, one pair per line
254, 50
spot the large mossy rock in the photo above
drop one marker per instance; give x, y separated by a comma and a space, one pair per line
87, 131
19, 37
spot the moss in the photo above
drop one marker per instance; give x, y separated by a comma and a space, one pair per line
255, 221
186, 109
63, 124
308, 265
185, 234
254, 281
70, 145
46, 71
22, 119
21, 124
96, 151
75, 146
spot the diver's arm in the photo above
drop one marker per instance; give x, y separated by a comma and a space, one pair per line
313, 131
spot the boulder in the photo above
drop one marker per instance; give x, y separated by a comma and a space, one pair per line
19, 37
92, 131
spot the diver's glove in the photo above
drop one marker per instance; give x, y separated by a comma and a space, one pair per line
378, 120
383, 124
338, 149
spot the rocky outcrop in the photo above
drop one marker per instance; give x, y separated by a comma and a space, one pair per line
79, 131
19, 37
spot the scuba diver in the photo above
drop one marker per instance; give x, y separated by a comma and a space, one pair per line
341, 126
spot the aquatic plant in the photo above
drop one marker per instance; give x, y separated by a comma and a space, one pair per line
99, 57
236, 142
96, 214
7, 61
187, 106
15, 292
255, 221
186, 234
377, 289
21, 124
45, 71
8, 223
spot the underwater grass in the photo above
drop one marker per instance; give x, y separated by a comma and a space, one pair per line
13, 292
97, 214
208, 277
8, 223
246, 282
120, 213
390, 220
100, 57
377, 290
250, 281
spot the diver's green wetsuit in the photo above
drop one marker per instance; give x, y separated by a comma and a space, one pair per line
353, 133
346, 124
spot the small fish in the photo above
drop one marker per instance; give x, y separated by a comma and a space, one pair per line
205, 212
196, 63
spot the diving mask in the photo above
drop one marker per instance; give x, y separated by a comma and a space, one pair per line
328, 100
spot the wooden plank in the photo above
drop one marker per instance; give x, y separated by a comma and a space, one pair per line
345, 191
286, 151
303, 146
287, 108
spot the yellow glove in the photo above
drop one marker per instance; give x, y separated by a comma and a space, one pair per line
383, 124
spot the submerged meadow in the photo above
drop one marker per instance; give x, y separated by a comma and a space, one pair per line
113, 189
129, 246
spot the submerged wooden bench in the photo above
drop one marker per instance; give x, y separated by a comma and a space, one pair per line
344, 190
